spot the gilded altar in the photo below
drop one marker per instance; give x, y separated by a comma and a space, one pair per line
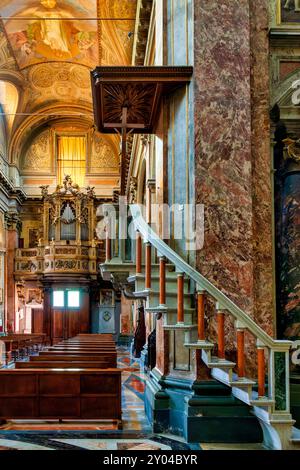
65, 242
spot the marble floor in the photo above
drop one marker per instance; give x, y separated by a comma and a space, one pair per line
136, 433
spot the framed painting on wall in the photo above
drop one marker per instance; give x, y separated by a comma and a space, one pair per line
288, 12
107, 297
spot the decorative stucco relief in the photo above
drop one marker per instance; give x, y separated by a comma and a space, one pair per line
57, 81
104, 158
38, 157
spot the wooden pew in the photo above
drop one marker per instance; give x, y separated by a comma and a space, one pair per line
110, 361
14, 343
61, 365
60, 394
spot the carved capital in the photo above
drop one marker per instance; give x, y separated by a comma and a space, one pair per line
12, 221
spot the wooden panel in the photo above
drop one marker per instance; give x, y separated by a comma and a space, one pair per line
106, 408
22, 385
57, 324
37, 321
68, 407
24, 407
59, 384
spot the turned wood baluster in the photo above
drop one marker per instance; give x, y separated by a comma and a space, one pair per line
201, 312
241, 353
108, 244
221, 335
180, 286
148, 266
162, 281
261, 372
138, 253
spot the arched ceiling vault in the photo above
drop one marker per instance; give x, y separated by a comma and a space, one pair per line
48, 47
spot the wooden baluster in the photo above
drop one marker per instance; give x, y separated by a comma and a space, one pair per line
241, 353
180, 288
221, 335
148, 266
162, 281
201, 313
261, 372
138, 260
108, 244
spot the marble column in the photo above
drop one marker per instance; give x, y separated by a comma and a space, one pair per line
232, 155
12, 236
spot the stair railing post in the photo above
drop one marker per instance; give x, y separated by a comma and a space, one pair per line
108, 243
162, 281
201, 315
261, 371
180, 296
240, 352
148, 263
221, 333
138, 254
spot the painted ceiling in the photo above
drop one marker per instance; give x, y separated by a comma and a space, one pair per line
49, 47
87, 32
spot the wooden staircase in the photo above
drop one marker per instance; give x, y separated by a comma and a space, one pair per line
168, 284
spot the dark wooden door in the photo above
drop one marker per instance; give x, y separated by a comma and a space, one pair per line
63, 322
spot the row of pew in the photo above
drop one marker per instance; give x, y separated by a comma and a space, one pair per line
19, 346
76, 379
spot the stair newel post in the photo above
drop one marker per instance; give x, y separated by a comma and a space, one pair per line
201, 313
240, 336
180, 289
138, 254
108, 242
221, 333
261, 371
148, 266
162, 281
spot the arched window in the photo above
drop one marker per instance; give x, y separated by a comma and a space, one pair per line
71, 158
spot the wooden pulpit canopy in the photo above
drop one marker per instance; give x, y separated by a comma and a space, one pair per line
137, 89
127, 100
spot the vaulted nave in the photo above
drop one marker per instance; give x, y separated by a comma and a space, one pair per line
149, 225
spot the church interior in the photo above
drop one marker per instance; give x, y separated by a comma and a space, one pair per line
149, 225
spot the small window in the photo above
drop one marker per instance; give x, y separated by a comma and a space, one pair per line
58, 298
73, 299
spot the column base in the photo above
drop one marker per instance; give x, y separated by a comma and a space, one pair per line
198, 411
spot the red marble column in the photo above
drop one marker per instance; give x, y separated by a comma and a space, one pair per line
231, 129
11, 300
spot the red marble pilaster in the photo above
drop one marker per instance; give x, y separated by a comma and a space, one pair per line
232, 159
11, 301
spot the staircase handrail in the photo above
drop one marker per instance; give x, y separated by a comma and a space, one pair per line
224, 303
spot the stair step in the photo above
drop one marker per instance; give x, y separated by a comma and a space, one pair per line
200, 345
167, 310
142, 293
262, 401
216, 362
179, 326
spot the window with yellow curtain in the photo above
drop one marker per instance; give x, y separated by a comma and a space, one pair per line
71, 158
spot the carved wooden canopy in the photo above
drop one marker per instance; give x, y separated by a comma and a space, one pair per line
138, 90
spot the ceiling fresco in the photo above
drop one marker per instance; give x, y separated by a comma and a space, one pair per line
68, 30
47, 49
